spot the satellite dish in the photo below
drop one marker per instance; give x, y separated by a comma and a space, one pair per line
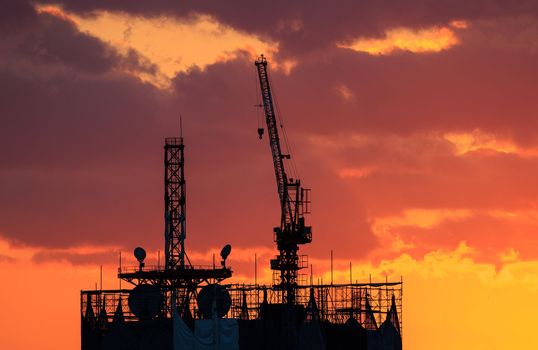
140, 254
226, 251
213, 293
145, 301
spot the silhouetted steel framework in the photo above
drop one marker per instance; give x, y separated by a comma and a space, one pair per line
293, 316
174, 203
336, 303
177, 273
289, 314
292, 231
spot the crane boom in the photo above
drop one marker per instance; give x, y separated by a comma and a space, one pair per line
293, 201
274, 141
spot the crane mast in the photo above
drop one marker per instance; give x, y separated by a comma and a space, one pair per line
294, 201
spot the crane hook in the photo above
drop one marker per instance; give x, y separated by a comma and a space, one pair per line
260, 133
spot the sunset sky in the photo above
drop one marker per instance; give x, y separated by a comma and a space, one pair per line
415, 123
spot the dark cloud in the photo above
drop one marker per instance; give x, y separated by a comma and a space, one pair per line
15, 14
463, 88
46, 39
220, 101
81, 140
418, 172
59, 41
301, 27
93, 171
71, 123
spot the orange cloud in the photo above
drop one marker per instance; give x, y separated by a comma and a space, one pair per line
434, 39
359, 173
459, 24
466, 142
344, 92
423, 218
386, 228
164, 40
57, 12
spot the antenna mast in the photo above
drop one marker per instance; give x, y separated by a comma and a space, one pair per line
174, 201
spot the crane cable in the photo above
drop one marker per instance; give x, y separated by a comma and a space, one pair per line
292, 165
257, 97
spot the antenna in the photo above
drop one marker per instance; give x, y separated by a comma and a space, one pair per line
180, 128
120, 268
331, 266
174, 202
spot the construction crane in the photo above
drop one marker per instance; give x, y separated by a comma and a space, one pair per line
294, 201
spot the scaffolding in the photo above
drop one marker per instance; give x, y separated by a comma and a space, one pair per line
336, 303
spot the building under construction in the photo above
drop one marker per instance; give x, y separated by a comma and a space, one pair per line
184, 306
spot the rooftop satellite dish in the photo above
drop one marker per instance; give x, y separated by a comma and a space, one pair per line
225, 251
140, 254
224, 254
213, 293
145, 301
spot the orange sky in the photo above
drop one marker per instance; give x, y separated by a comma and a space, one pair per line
417, 133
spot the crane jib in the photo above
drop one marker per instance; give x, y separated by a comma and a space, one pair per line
274, 142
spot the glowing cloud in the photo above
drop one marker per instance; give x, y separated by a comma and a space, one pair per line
345, 92
356, 173
433, 39
384, 227
476, 140
172, 45
423, 218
